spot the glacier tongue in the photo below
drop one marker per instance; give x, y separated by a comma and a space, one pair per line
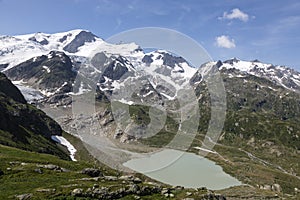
29, 93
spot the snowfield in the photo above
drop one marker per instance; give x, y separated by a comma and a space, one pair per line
63, 141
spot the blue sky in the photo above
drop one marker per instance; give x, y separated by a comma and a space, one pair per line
255, 29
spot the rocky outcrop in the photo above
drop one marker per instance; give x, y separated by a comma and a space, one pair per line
24, 196
24, 126
10, 90
273, 187
50, 73
105, 193
79, 40
92, 172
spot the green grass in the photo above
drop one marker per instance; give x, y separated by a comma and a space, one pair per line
163, 137
139, 114
23, 179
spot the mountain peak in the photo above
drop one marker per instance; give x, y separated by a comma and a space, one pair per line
232, 60
80, 39
281, 75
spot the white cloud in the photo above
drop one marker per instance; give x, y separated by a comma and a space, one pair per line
225, 42
235, 14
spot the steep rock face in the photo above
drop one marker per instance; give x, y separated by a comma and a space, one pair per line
167, 58
113, 67
10, 90
24, 126
79, 40
47, 72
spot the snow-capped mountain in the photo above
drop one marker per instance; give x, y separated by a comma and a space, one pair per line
235, 68
280, 75
46, 65
17, 49
30, 60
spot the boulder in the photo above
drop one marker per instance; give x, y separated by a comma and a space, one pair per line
23, 196
276, 187
110, 178
126, 178
77, 192
133, 189
38, 170
92, 172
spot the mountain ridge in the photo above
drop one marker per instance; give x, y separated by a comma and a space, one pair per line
259, 142
24, 126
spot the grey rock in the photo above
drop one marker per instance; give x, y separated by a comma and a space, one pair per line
188, 193
267, 187
147, 59
14, 162
90, 179
38, 170
126, 177
276, 187
99, 191
110, 178
77, 192
92, 172
165, 191
79, 40
3, 66
133, 188
49, 166
23, 196
43, 42
95, 186
147, 190
51, 190
136, 197
171, 60
137, 180
178, 187
118, 134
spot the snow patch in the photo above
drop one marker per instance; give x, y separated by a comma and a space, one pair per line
126, 102
81, 90
63, 141
145, 95
168, 97
47, 69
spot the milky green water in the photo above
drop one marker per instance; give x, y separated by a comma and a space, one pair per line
184, 169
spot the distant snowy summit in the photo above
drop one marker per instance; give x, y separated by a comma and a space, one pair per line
17, 49
45, 66
49, 64
281, 75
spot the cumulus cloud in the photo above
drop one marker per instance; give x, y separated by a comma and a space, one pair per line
225, 42
235, 14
